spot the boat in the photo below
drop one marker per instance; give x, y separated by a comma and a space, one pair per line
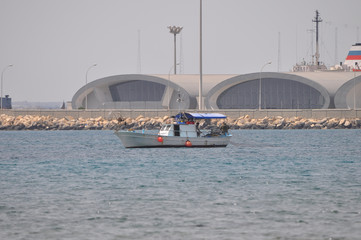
182, 132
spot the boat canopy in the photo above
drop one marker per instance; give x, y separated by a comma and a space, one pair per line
194, 116
207, 115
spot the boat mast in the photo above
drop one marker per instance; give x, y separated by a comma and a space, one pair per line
317, 20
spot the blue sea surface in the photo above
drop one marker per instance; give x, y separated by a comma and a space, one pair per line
267, 184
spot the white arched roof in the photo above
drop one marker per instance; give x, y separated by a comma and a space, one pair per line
215, 92
98, 93
335, 87
349, 94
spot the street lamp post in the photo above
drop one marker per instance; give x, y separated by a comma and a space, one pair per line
173, 66
175, 30
2, 79
86, 82
260, 86
200, 87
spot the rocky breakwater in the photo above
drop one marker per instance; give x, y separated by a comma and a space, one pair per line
29, 122
246, 122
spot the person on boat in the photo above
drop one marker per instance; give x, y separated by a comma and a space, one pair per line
120, 120
224, 128
197, 129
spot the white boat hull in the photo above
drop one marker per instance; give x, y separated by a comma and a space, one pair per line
142, 140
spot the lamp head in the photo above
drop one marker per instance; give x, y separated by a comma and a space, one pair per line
174, 29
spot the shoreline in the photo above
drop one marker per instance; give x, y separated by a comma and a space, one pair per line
30, 122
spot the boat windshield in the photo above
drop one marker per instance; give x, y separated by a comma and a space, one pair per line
165, 128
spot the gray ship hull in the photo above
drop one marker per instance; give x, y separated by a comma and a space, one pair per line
142, 140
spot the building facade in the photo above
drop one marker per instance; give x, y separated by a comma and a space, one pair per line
6, 102
266, 90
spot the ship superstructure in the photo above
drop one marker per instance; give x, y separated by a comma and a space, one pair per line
352, 62
353, 59
313, 66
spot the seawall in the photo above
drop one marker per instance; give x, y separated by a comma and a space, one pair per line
130, 113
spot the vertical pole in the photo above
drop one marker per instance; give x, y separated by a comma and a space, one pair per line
317, 20
86, 82
200, 57
181, 67
175, 54
279, 52
260, 86
354, 90
259, 91
336, 50
175, 30
1, 95
317, 50
2, 79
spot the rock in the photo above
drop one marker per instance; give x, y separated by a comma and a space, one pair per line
19, 127
139, 117
342, 122
248, 125
279, 123
240, 122
271, 126
264, 121
294, 119
297, 124
247, 117
347, 124
321, 122
357, 123
332, 123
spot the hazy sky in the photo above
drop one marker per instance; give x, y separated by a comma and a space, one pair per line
52, 43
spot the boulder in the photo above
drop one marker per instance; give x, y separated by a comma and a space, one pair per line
139, 117
322, 121
358, 123
342, 122
332, 123
279, 123
347, 124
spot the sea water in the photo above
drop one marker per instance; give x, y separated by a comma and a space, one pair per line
267, 184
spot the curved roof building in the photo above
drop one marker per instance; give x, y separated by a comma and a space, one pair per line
294, 90
349, 94
278, 91
132, 91
308, 88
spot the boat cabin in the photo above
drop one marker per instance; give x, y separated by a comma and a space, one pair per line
184, 125
178, 130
